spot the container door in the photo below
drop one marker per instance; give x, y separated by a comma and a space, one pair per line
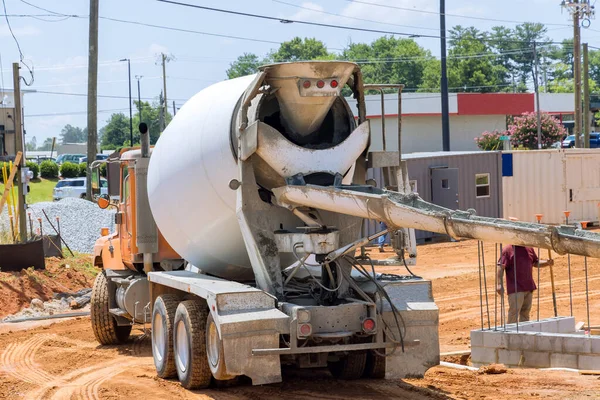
444, 187
583, 186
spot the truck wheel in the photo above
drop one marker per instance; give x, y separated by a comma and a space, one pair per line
163, 317
375, 365
349, 367
189, 343
104, 324
215, 352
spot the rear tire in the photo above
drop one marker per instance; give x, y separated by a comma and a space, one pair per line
189, 344
215, 352
375, 365
350, 367
163, 317
104, 323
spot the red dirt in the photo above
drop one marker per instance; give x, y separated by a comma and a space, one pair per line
64, 361
17, 289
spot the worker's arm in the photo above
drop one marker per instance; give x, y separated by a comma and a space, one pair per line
544, 263
500, 278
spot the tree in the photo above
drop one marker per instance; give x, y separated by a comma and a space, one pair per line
116, 131
47, 145
246, 64
299, 49
72, 134
31, 145
391, 60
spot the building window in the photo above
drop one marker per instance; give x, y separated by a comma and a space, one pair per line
482, 185
445, 184
413, 186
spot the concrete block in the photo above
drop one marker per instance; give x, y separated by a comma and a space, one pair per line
589, 362
576, 344
561, 360
483, 355
497, 340
530, 327
549, 342
550, 325
509, 357
521, 340
595, 344
566, 324
536, 359
477, 338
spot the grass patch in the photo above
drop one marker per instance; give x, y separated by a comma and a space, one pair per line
41, 190
81, 262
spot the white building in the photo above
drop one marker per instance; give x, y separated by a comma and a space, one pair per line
471, 114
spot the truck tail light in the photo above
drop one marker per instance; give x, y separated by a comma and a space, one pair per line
306, 84
334, 83
305, 330
320, 84
368, 325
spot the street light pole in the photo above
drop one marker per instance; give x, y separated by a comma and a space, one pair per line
139, 78
130, 106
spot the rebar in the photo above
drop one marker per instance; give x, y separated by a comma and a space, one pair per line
480, 288
587, 296
495, 287
516, 288
538, 286
487, 302
502, 302
570, 284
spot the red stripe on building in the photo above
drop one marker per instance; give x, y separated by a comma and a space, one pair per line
495, 103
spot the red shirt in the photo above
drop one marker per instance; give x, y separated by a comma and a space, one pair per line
526, 259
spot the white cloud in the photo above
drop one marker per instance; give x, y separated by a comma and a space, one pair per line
27, 30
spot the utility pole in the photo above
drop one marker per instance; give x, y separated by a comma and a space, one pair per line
444, 80
140, 106
537, 96
20, 146
165, 103
577, 75
174, 109
130, 105
586, 98
92, 106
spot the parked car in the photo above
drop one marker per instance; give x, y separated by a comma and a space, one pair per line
74, 158
75, 187
98, 157
569, 141
40, 159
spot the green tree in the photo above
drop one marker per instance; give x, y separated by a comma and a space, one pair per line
73, 134
246, 64
299, 49
31, 145
391, 60
46, 146
116, 131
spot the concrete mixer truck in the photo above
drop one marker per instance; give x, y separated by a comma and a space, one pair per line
236, 237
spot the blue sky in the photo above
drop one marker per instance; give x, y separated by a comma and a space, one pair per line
58, 49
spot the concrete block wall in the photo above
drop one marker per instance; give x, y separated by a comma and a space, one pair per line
549, 343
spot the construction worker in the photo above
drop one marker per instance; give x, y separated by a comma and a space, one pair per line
520, 293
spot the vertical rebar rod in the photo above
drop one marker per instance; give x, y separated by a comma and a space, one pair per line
517, 312
538, 287
587, 296
480, 288
495, 286
570, 284
502, 301
487, 302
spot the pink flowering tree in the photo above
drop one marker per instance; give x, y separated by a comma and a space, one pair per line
523, 131
489, 141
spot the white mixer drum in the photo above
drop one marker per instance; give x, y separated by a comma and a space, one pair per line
190, 168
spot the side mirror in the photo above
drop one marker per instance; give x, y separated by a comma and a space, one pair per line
103, 201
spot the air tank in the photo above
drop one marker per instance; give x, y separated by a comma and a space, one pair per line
195, 159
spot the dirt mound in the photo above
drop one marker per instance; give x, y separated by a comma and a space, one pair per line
18, 289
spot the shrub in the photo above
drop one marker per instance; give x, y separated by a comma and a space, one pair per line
103, 170
33, 167
48, 169
69, 170
523, 131
82, 169
489, 141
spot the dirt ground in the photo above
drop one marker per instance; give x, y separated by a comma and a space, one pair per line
63, 361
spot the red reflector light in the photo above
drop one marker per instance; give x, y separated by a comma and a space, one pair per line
368, 325
320, 84
334, 83
305, 329
306, 84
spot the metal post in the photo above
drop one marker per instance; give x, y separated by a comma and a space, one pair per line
502, 303
487, 303
577, 73
140, 106
20, 147
174, 109
587, 295
569, 269
444, 80
92, 96
382, 119
480, 283
537, 97
586, 98
164, 61
516, 286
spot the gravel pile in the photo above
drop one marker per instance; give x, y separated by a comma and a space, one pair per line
80, 221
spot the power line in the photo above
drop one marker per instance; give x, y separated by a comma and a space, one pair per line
102, 96
73, 113
349, 17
